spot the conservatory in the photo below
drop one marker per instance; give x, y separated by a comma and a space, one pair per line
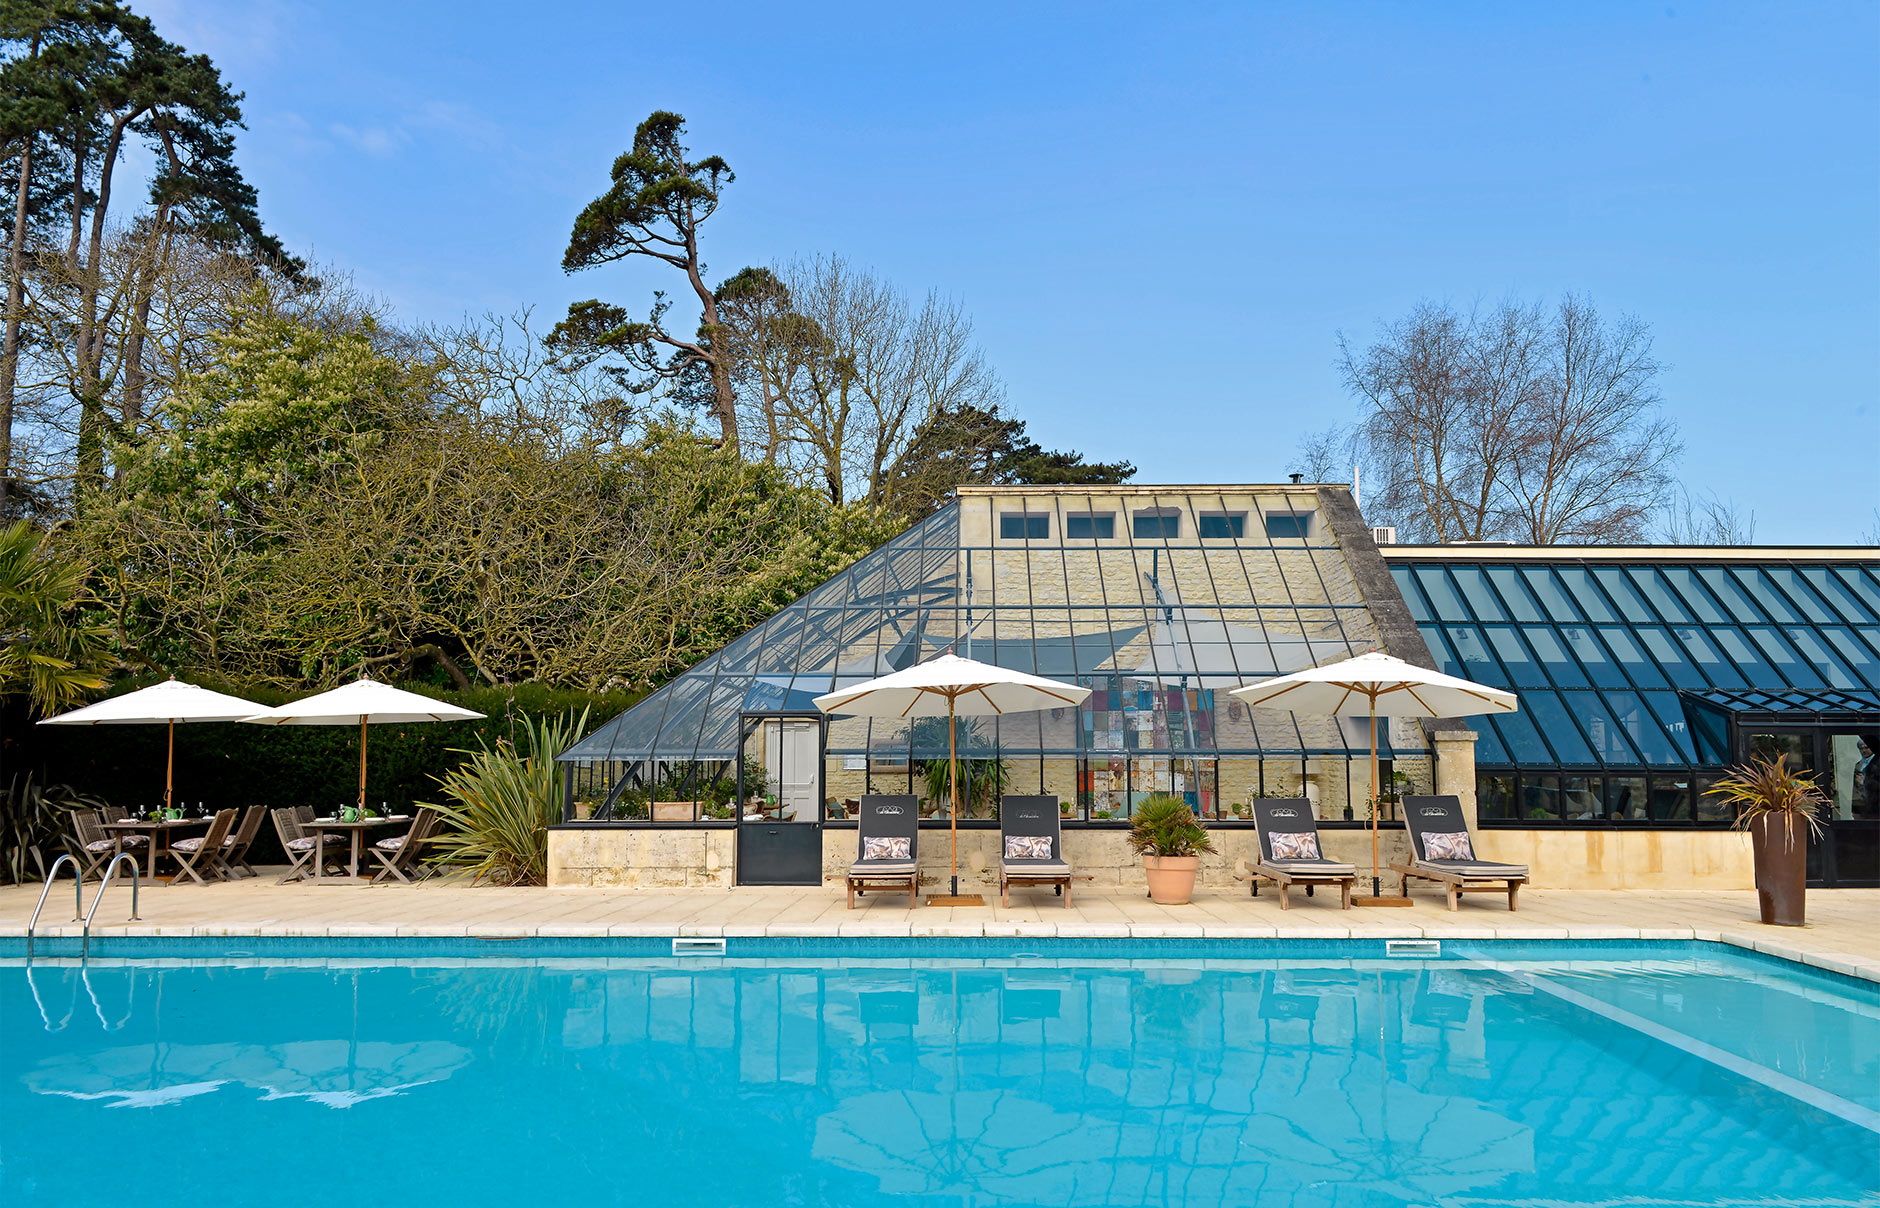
1642, 673
1160, 599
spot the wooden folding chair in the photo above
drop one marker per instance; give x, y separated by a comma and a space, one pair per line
96, 844
235, 847
203, 853
398, 855
301, 848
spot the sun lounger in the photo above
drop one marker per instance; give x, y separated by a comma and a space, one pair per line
1290, 853
1443, 851
887, 852
1031, 847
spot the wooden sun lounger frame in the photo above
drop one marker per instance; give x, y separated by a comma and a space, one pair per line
1455, 882
1286, 878
1459, 883
860, 883
1060, 882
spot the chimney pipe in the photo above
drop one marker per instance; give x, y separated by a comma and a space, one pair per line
1297, 478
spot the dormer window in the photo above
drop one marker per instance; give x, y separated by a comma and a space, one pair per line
1157, 524
1024, 526
1221, 526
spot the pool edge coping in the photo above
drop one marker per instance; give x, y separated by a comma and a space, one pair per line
1833, 962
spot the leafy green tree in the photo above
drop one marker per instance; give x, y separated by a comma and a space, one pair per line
282, 403
659, 199
968, 444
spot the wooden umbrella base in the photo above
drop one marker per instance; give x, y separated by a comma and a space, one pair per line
955, 899
1358, 900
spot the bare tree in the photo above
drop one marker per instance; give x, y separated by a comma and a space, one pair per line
839, 372
1690, 520
1325, 456
1591, 455
1513, 424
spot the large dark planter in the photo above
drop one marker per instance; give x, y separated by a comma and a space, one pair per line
1780, 848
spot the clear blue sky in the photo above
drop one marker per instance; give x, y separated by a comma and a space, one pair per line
1159, 217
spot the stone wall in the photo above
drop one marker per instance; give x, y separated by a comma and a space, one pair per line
639, 857
1614, 859
642, 858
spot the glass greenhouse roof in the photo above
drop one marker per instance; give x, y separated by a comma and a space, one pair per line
1614, 661
1159, 600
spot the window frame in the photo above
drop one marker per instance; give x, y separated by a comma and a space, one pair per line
1302, 518
1042, 519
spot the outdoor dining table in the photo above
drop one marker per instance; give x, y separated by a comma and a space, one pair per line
356, 831
160, 836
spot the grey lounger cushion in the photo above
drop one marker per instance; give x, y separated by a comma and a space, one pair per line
883, 868
1311, 868
1486, 869
1036, 868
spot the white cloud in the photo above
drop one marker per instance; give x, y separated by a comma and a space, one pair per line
376, 141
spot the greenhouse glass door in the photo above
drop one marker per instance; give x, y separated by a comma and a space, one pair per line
780, 763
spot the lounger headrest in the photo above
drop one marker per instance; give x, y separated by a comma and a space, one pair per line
1028, 815
881, 815
1283, 814
1440, 814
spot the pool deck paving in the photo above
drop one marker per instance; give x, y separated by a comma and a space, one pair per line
1843, 933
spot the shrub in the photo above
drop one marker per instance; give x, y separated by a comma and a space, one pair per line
1165, 826
34, 827
505, 798
1770, 788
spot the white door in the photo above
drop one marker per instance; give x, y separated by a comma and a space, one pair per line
793, 763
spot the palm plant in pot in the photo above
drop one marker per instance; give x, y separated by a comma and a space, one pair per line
1164, 832
1780, 808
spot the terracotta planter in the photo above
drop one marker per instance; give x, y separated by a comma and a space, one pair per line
1171, 878
1780, 848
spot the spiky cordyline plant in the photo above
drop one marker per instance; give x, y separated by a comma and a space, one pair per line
505, 799
1770, 788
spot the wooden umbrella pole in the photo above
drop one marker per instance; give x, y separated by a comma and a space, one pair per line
1375, 803
953, 787
362, 763
169, 771
1377, 897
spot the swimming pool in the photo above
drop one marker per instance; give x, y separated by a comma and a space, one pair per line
868, 1073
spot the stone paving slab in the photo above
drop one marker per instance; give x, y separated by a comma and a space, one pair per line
1843, 934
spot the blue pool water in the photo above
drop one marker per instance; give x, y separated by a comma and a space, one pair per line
870, 1075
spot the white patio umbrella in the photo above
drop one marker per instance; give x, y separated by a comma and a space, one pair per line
362, 703
950, 685
1373, 685
167, 703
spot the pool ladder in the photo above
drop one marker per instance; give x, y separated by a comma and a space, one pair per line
78, 897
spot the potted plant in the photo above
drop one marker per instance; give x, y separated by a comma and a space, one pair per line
1163, 831
1780, 808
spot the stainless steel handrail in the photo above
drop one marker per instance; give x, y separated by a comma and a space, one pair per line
110, 870
78, 897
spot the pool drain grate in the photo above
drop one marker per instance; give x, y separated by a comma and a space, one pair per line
698, 945
1413, 948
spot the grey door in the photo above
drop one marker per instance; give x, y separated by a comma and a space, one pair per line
780, 799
